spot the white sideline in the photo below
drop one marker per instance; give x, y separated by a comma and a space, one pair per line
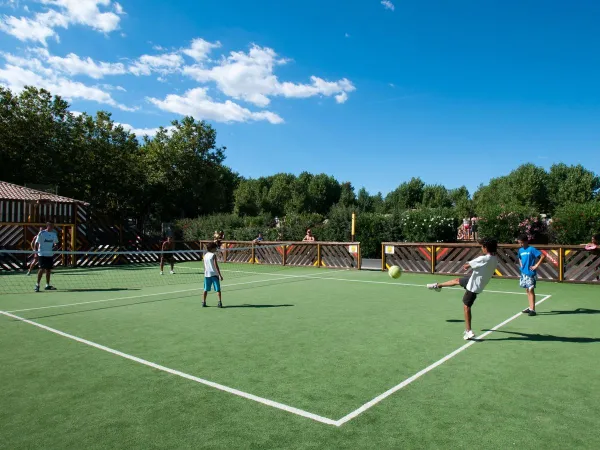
419, 374
393, 283
134, 296
221, 387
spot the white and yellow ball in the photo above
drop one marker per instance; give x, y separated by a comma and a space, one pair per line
395, 272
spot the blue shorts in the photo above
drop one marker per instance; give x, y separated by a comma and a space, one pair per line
528, 281
212, 282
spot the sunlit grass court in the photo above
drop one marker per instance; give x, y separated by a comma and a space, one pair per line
298, 358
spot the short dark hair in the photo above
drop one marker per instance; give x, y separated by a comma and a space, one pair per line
211, 246
596, 236
523, 238
490, 244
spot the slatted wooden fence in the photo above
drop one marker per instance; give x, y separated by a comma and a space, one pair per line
563, 263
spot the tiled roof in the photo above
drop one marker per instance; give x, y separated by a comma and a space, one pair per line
9, 191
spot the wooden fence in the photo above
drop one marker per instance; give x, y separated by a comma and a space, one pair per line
563, 263
340, 255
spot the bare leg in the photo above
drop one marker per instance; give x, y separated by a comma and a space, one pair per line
467, 317
455, 282
531, 297
39, 276
162, 264
219, 295
172, 265
204, 297
48, 273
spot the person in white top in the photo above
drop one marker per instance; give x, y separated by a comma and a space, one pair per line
44, 245
212, 274
484, 268
34, 260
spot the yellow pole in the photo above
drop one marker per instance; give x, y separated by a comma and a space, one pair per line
353, 226
561, 264
433, 258
318, 255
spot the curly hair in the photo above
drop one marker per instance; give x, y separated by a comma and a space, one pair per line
490, 244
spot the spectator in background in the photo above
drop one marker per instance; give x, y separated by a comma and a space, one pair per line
34, 260
475, 228
217, 239
259, 238
309, 236
593, 248
467, 228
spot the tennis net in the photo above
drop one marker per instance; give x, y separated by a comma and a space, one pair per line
132, 270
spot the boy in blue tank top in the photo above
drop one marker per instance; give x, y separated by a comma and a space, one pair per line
530, 259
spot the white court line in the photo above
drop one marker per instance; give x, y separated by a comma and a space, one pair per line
393, 283
135, 296
419, 374
218, 386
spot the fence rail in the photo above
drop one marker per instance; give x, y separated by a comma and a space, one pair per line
568, 263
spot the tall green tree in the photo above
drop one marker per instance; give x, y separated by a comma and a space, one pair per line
572, 184
408, 195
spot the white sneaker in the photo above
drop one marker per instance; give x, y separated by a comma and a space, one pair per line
161, 272
434, 286
469, 335
172, 272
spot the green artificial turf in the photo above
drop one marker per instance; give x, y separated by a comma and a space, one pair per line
320, 340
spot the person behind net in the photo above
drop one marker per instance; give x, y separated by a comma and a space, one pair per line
259, 238
168, 246
34, 260
44, 243
309, 236
212, 274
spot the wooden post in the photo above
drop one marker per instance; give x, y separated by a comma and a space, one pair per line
74, 242
359, 258
25, 242
561, 264
318, 255
284, 254
433, 258
253, 254
63, 258
382, 257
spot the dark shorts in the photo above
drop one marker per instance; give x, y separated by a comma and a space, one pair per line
46, 262
469, 297
169, 257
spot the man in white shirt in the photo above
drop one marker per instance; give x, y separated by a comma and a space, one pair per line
484, 268
45, 242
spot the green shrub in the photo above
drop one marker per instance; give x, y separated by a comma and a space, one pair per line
501, 222
429, 225
575, 223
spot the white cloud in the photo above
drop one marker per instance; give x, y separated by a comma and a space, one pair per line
42, 26
341, 98
20, 72
163, 64
387, 4
249, 76
200, 49
141, 132
74, 65
197, 103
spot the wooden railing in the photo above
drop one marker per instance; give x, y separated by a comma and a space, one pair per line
339, 255
568, 263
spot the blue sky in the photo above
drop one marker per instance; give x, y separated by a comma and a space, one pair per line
371, 92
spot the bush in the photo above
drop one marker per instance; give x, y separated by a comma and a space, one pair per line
502, 223
575, 223
535, 229
429, 225
372, 229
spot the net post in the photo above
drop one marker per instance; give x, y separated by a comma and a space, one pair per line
74, 243
253, 253
561, 264
64, 246
433, 258
25, 265
319, 255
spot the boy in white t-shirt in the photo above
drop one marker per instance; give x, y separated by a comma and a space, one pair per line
212, 273
483, 269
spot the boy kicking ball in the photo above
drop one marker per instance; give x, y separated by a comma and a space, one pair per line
212, 274
483, 269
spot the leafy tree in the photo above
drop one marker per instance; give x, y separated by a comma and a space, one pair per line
347, 197
436, 196
408, 195
572, 184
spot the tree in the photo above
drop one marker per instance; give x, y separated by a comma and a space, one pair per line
436, 196
571, 184
407, 196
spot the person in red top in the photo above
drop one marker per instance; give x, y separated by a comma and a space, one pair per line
168, 246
